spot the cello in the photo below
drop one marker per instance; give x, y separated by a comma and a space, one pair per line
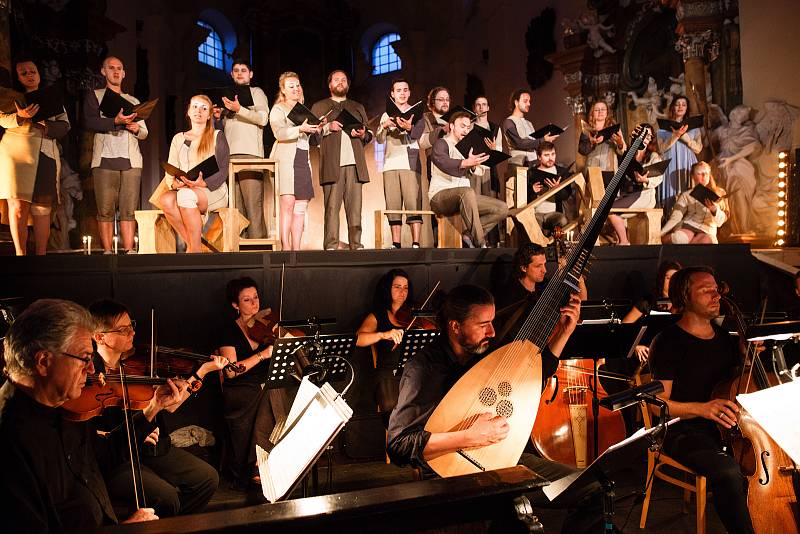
508, 381
771, 474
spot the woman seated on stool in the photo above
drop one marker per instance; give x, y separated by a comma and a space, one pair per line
383, 329
693, 222
187, 203
641, 193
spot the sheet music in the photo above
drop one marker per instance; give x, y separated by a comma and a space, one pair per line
775, 409
315, 418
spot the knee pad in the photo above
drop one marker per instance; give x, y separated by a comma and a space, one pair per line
679, 238
300, 207
40, 210
186, 198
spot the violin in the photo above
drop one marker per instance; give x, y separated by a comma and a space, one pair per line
263, 327
769, 471
103, 391
175, 362
407, 320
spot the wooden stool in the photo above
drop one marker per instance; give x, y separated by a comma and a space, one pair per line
231, 243
157, 237
450, 230
379, 215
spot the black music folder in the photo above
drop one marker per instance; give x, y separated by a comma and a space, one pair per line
413, 114
348, 121
695, 121
476, 141
300, 113
446, 117
50, 100
654, 169
113, 102
536, 174
230, 92
607, 132
701, 193
208, 167
550, 129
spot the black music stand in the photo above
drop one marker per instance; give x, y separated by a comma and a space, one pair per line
413, 342
328, 352
596, 341
616, 457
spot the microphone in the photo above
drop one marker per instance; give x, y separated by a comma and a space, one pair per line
623, 399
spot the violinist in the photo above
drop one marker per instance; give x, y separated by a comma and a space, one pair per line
175, 482
690, 358
250, 410
51, 480
383, 329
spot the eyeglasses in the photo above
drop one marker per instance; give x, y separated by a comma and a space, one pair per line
124, 330
441, 100
87, 360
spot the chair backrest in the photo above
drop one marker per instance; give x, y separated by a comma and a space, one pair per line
596, 186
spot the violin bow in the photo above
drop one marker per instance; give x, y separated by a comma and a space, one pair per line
133, 446
411, 322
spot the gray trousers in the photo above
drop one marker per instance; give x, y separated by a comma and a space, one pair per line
348, 189
479, 213
401, 191
114, 189
250, 200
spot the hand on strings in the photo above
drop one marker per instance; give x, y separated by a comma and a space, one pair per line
473, 160
721, 411
395, 335
550, 138
121, 118
405, 124
166, 396
487, 429
152, 439
141, 515
335, 126
570, 314
27, 113
642, 352
133, 127
491, 144
232, 105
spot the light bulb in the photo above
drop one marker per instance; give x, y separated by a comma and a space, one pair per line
782, 155
779, 242
781, 232
782, 165
781, 203
781, 194
781, 213
781, 222
781, 184
781, 174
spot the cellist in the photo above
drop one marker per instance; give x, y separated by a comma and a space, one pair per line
51, 481
690, 358
174, 482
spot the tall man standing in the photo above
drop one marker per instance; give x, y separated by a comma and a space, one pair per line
116, 158
244, 131
343, 167
517, 132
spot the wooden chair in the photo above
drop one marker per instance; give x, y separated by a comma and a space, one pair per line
233, 242
157, 237
644, 224
658, 462
449, 228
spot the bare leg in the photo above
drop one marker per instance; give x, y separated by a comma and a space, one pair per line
193, 223
298, 224
396, 230
128, 230
18, 211
41, 230
416, 230
619, 227
701, 238
106, 234
169, 206
287, 207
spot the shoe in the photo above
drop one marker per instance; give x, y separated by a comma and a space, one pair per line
396, 245
107, 252
414, 245
466, 241
131, 251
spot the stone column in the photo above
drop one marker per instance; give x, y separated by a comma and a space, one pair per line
570, 63
699, 25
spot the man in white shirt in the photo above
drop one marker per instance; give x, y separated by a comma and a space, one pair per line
517, 132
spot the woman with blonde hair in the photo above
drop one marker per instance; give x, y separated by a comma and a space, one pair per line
600, 152
694, 222
292, 164
187, 202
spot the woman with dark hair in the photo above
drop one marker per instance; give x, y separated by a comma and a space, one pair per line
383, 329
681, 147
250, 410
30, 164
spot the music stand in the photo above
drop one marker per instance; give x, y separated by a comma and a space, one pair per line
327, 351
413, 342
596, 341
617, 456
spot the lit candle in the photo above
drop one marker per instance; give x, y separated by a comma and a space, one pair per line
85, 245
89, 246
116, 245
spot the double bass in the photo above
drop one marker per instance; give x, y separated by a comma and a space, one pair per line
772, 476
508, 381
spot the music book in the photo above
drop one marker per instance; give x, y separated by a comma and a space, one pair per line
607, 132
550, 129
414, 113
112, 102
476, 141
50, 100
230, 92
315, 418
446, 117
208, 167
654, 169
536, 174
349, 121
301, 113
695, 121
701, 193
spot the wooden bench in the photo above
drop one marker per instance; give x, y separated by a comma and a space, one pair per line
157, 237
449, 228
644, 224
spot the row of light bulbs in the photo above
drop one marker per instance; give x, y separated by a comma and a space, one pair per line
783, 167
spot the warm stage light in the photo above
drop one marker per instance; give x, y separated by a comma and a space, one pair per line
779, 242
781, 174
781, 213
781, 203
781, 222
781, 184
782, 165
781, 232
781, 194
782, 155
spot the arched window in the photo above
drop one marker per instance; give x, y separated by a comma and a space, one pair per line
211, 52
384, 58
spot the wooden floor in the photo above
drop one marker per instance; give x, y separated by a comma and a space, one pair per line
665, 514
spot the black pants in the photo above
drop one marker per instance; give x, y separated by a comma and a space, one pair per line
177, 482
697, 445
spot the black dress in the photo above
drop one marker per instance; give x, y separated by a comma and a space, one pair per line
387, 387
